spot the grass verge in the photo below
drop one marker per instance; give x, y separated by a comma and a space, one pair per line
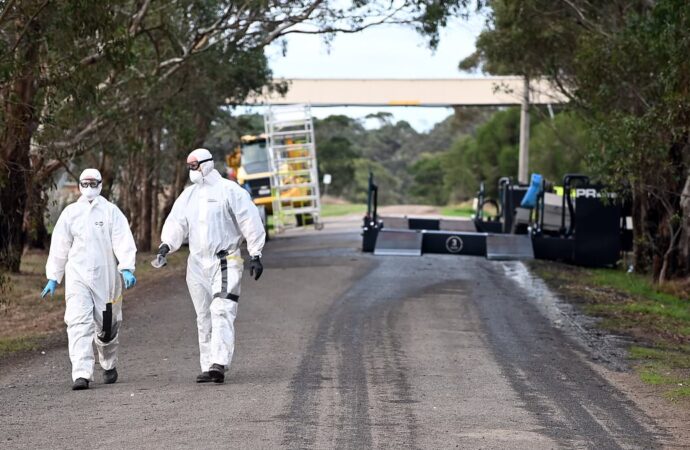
457, 211
466, 209
331, 210
18, 344
656, 317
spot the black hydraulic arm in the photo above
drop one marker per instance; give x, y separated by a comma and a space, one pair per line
372, 199
568, 180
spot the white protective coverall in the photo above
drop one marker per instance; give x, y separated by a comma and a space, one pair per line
216, 215
86, 241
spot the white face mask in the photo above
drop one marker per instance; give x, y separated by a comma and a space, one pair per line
90, 193
195, 176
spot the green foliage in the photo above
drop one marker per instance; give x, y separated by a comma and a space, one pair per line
389, 185
461, 164
531, 37
338, 143
450, 161
396, 147
640, 120
427, 184
435, 14
336, 157
490, 155
559, 146
624, 65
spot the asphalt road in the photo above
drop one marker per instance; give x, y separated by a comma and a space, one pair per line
335, 349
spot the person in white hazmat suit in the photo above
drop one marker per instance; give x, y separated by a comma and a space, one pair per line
93, 247
216, 215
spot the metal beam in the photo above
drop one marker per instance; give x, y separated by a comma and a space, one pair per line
492, 91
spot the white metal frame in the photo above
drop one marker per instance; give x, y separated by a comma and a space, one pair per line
291, 129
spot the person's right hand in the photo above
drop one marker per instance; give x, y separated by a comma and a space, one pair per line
161, 260
50, 287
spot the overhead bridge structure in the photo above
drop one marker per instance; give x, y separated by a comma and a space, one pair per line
491, 91
450, 92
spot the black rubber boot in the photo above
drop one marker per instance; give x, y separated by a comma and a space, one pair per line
217, 373
110, 376
203, 377
80, 384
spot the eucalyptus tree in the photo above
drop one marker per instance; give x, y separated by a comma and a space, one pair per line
72, 73
625, 68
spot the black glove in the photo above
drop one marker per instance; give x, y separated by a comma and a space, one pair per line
160, 260
163, 250
255, 267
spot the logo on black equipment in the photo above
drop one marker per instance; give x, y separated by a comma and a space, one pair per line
454, 244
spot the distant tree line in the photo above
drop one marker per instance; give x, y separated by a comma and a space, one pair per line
446, 164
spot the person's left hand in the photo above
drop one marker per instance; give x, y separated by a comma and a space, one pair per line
130, 279
255, 267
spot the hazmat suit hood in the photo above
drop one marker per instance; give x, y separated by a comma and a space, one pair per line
200, 154
89, 192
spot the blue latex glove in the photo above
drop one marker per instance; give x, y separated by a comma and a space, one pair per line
50, 287
130, 279
530, 198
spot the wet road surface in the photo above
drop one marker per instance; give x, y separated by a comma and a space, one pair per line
335, 349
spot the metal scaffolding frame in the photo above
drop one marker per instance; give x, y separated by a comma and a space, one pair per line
292, 155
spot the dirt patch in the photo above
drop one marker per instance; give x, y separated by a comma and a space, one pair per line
328, 200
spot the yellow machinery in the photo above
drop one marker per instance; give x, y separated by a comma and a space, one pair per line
251, 166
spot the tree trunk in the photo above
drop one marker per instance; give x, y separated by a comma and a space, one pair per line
155, 225
129, 188
155, 212
34, 220
684, 244
145, 194
18, 101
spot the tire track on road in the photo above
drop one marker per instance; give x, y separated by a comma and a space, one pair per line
362, 319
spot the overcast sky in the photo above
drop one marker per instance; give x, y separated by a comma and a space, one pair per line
380, 52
